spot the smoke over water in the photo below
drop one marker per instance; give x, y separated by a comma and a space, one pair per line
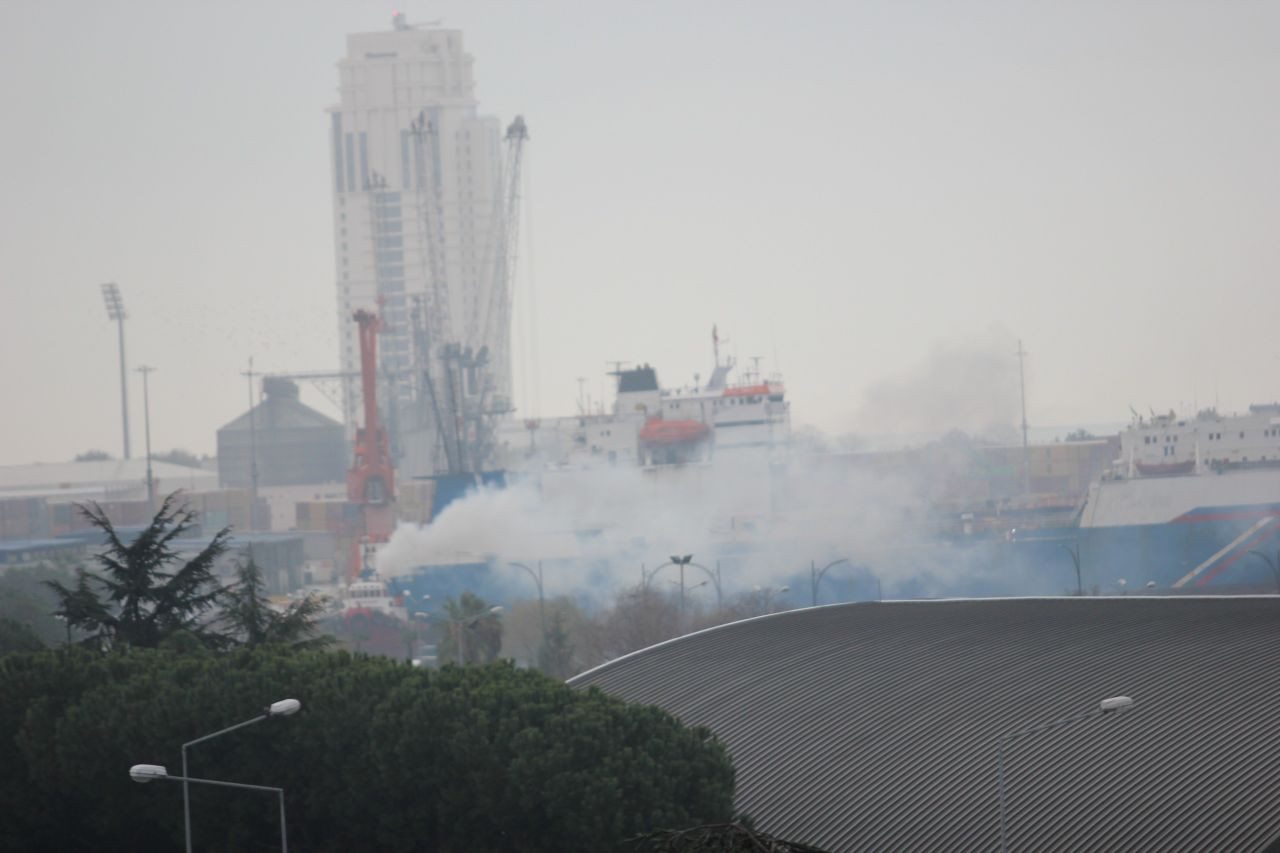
764, 517
763, 524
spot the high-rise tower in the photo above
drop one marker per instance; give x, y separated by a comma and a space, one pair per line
417, 189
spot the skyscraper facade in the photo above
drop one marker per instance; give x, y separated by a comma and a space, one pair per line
416, 175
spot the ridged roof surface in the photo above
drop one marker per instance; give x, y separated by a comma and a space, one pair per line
875, 726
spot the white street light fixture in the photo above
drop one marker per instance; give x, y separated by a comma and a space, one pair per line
282, 708
147, 772
1111, 705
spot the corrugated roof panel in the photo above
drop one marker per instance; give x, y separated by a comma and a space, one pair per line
875, 726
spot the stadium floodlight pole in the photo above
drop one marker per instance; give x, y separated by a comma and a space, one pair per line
115, 311
1274, 565
815, 576
146, 772
146, 420
283, 708
1106, 706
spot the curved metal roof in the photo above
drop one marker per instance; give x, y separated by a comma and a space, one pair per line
875, 726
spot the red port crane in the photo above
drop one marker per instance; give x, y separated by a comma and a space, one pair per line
371, 481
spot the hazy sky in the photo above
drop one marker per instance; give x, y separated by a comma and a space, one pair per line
872, 196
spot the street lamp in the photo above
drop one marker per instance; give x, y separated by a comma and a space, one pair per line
1273, 565
144, 773
815, 576
542, 602
462, 623
1074, 551
283, 708
1106, 706
687, 560
768, 593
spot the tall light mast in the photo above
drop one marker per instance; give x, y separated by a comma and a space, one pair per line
115, 311
146, 420
1026, 452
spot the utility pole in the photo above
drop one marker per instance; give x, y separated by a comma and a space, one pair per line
1026, 452
146, 420
115, 311
253, 449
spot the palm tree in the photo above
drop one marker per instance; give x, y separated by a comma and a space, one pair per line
474, 630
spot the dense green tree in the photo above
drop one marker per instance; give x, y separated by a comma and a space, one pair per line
556, 657
143, 592
25, 598
93, 456
17, 637
382, 756
250, 620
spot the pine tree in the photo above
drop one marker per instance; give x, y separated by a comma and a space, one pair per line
143, 594
252, 621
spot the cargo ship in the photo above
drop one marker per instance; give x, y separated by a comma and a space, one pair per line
1192, 500
1189, 506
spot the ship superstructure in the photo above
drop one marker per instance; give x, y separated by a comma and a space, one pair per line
651, 426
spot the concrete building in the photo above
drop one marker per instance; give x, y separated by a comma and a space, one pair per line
886, 726
415, 177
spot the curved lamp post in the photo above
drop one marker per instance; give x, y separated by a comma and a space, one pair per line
1274, 565
646, 577
283, 708
147, 772
542, 601
1106, 706
816, 576
1074, 551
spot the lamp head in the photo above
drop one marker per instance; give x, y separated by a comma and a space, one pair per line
1115, 703
284, 707
147, 772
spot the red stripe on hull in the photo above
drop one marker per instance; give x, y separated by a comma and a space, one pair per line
1192, 518
1240, 554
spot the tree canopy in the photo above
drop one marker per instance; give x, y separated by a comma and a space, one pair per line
250, 620
382, 756
143, 592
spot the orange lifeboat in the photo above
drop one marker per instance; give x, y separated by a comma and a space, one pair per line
657, 431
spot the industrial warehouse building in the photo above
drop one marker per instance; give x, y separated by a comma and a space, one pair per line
290, 443
877, 726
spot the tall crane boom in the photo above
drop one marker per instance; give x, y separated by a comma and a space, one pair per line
496, 324
371, 479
